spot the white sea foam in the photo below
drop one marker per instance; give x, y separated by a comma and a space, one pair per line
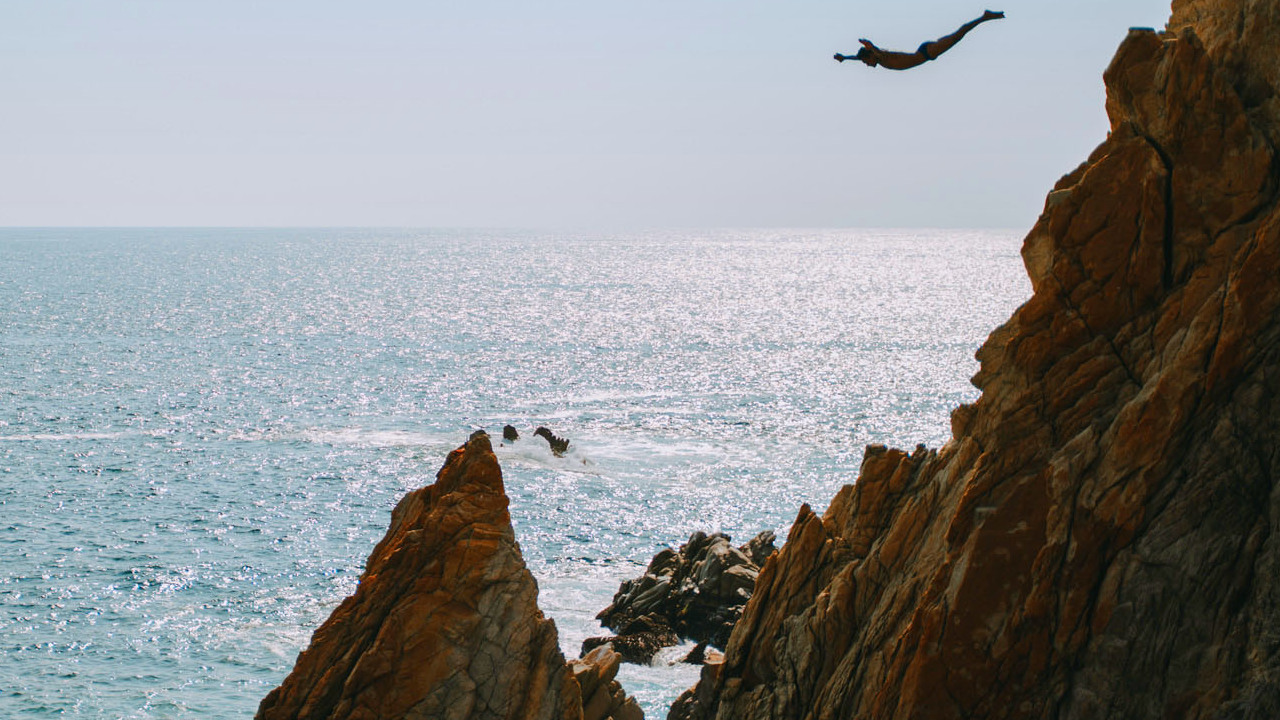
536, 453
361, 437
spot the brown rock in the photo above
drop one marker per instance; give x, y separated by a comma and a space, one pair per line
605, 697
444, 622
1095, 540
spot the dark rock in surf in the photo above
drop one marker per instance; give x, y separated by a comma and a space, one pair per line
638, 641
559, 445
702, 655
509, 433
698, 590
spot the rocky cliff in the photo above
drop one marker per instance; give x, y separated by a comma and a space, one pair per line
445, 624
1096, 539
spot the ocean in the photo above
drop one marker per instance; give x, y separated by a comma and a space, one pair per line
203, 431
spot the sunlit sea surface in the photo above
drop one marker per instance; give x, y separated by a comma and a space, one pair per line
203, 432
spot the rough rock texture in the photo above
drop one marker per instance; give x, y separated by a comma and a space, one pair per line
603, 696
637, 641
444, 623
698, 590
1096, 539
701, 655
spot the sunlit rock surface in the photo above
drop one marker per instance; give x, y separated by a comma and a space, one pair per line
1096, 539
603, 697
445, 622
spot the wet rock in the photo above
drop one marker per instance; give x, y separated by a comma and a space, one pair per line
559, 445
444, 622
510, 434
702, 655
699, 590
637, 641
1096, 540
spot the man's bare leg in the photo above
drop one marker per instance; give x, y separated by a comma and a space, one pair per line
945, 43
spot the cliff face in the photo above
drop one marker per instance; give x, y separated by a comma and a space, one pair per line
445, 622
1096, 541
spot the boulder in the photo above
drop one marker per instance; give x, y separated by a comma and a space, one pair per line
702, 655
699, 590
603, 696
637, 641
559, 445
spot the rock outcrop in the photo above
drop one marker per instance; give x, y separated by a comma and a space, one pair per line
1097, 539
559, 445
637, 641
698, 591
444, 623
603, 697
702, 655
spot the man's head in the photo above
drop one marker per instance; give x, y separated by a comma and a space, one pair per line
867, 57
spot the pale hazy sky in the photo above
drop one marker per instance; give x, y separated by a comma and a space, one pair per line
556, 113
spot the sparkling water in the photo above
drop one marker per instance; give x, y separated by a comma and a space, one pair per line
202, 432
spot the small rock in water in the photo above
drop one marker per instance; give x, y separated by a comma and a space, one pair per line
698, 591
559, 445
509, 433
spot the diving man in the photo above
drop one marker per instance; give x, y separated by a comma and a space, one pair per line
872, 56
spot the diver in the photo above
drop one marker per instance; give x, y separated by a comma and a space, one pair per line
872, 56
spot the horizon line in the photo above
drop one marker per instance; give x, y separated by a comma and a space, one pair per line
518, 228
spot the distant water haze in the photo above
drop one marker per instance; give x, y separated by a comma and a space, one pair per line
203, 432
557, 114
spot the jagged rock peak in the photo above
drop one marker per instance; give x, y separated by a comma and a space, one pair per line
1096, 539
444, 623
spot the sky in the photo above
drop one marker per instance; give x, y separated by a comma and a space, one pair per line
549, 114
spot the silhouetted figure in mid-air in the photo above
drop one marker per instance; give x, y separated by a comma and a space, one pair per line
872, 56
